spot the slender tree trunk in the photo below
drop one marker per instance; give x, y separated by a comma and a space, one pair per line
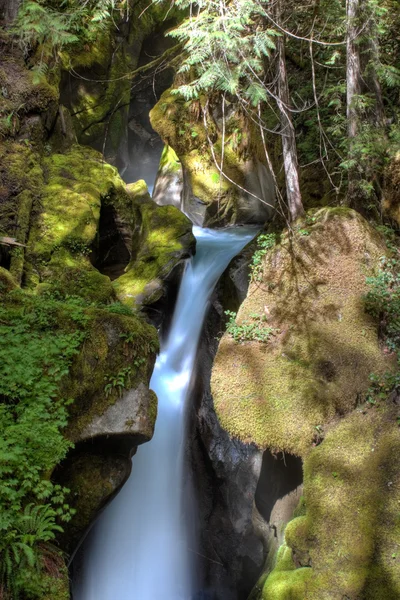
362, 58
290, 162
372, 79
353, 75
353, 82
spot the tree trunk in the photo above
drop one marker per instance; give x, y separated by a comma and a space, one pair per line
362, 78
290, 162
353, 75
9, 10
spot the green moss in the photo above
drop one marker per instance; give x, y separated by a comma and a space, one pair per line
317, 365
169, 161
7, 281
64, 231
180, 126
351, 528
138, 191
105, 353
166, 238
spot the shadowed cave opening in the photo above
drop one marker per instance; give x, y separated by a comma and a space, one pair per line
111, 255
5, 257
280, 476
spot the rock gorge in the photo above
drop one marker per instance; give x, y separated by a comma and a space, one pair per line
293, 440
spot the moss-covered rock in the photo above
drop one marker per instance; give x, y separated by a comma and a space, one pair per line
165, 240
118, 356
66, 225
347, 545
304, 392
206, 196
323, 344
7, 282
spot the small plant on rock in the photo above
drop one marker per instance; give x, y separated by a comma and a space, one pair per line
265, 242
250, 330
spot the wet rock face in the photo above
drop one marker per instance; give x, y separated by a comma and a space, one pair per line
228, 538
94, 477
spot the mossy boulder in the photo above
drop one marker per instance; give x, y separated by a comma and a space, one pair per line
116, 360
245, 195
7, 282
323, 345
66, 225
347, 545
304, 392
165, 240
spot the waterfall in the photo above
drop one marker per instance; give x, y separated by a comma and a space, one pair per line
140, 548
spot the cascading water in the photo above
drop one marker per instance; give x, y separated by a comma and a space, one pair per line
140, 548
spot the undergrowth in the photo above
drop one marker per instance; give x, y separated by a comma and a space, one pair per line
383, 302
265, 241
39, 338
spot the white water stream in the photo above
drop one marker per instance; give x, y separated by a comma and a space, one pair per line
140, 548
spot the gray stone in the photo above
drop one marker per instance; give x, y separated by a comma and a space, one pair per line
131, 414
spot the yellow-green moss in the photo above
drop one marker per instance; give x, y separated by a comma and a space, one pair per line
165, 239
325, 346
169, 161
286, 582
179, 124
67, 224
114, 342
350, 534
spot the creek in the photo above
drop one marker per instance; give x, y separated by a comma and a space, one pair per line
141, 547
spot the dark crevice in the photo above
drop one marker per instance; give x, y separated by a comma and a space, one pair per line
5, 257
280, 475
111, 255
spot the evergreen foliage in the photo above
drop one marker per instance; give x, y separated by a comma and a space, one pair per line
226, 45
53, 25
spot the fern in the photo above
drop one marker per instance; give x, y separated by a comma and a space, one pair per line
225, 46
